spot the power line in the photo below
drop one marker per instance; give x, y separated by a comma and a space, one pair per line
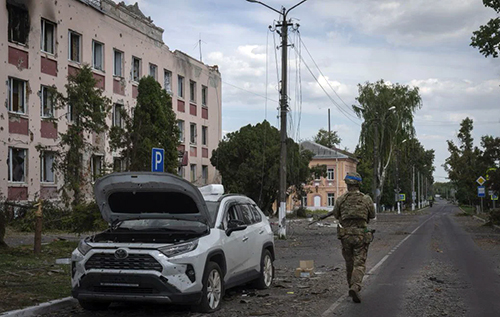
317, 67
346, 114
248, 91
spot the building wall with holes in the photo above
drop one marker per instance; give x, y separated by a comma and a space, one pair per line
43, 41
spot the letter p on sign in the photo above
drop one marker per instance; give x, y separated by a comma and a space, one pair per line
157, 159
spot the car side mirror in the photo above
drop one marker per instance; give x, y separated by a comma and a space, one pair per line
235, 225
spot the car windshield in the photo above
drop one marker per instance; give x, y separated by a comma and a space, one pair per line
163, 225
213, 208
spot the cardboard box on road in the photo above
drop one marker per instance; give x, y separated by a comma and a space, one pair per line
305, 269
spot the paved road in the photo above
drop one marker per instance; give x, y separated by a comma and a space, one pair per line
437, 270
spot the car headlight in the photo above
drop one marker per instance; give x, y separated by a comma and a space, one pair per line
84, 247
176, 249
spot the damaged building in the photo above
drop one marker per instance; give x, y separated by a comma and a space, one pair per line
44, 41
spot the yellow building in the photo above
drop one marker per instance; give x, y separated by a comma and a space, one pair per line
322, 192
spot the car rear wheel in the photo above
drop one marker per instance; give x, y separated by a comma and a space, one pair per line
213, 289
93, 305
266, 271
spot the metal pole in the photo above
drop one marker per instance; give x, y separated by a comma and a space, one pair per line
329, 130
284, 109
419, 191
413, 194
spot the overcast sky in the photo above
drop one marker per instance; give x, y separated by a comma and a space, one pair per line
422, 43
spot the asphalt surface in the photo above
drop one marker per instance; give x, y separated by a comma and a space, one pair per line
437, 271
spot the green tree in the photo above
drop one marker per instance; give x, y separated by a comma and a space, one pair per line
486, 39
89, 109
387, 111
463, 165
153, 125
248, 161
327, 138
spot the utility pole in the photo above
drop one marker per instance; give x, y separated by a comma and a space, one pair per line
284, 24
375, 167
419, 191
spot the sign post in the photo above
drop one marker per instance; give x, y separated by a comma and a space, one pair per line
157, 160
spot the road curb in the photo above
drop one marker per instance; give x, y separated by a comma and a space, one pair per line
480, 219
43, 308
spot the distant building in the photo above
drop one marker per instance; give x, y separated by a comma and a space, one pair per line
45, 40
322, 192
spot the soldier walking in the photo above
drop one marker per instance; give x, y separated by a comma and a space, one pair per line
354, 211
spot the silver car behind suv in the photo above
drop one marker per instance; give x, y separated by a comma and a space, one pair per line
169, 242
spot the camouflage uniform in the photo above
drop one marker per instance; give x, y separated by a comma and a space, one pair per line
354, 210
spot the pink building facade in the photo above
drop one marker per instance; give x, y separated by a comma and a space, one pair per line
42, 41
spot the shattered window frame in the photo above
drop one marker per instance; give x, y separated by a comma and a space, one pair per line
136, 68
17, 165
153, 71
117, 115
167, 81
204, 135
204, 94
47, 174
118, 164
192, 91
192, 133
204, 174
192, 169
180, 86
18, 24
74, 53
21, 100
97, 166
97, 59
48, 44
47, 102
118, 63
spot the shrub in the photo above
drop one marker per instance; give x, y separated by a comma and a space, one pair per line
87, 217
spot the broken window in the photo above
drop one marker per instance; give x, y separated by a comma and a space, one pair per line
17, 164
97, 166
192, 91
136, 68
167, 81
153, 71
192, 130
48, 36
204, 91
117, 115
47, 167
204, 135
19, 24
304, 201
17, 95
181, 172
47, 102
97, 55
180, 86
204, 174
118, 64
180, 124
74, 46
193, 173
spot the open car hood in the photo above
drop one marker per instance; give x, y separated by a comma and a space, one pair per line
147, 195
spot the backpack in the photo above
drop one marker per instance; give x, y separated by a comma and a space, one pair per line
353, 206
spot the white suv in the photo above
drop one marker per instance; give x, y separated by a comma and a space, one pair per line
170, 242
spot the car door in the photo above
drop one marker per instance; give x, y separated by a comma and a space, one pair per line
254, 239
236, 246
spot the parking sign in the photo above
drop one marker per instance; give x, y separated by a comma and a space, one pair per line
157, 158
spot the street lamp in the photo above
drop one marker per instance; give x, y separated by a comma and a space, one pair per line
284, 24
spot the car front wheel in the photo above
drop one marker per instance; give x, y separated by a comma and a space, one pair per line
266, 271
213, 289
